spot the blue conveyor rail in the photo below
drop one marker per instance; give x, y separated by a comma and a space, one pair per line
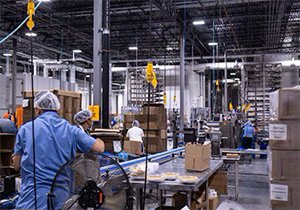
159, 157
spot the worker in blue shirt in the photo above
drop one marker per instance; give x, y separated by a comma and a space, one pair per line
56, 142
248, 136
83, 119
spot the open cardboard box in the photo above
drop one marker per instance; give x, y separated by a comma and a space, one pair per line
197, 156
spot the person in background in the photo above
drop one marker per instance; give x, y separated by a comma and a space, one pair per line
8, 115
248, 136
83, 119
135, 133
56, 142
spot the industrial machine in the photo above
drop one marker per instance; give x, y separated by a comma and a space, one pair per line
91, 181
215, 138
198, 114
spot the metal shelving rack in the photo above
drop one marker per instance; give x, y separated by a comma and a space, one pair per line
261, 79
138, 87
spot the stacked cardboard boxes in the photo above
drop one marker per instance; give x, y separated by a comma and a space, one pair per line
284, 152
70, 104
157, 133
111, 138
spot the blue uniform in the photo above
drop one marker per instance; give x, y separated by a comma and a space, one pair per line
56, 142
249, 131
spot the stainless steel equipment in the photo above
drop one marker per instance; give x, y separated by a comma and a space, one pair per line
215, 138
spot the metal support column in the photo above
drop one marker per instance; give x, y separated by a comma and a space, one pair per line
14, 77
34, 68
209, 92
97, 56
264, 96
7, 71
182, 80
106, 66
226, 86
45, 72
90, 89
243, 85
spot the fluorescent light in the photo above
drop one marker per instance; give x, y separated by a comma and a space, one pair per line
87, 76
77, 51
45, 0
232, 73
198, 22
7, 54
31, 34
169, 48
212, 43
133, 48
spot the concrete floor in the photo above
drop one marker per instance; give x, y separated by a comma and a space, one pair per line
253, 186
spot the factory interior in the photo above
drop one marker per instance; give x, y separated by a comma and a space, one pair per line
150, 104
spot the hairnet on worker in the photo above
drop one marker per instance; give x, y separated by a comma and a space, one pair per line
136, 123
47, 101
82, 116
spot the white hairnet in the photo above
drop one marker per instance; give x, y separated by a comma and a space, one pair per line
136, 123
47, 101
82, 116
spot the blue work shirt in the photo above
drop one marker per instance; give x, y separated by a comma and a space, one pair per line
249, 131
56, 142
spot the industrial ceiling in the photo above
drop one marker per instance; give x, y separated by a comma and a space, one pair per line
246, 26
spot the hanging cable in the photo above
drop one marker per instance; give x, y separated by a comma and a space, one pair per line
18, 27
148, 112
33, 133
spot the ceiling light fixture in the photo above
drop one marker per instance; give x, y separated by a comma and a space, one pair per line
169, 48
7, 54
87, 76
133, 48
212, 43
198, 22
232, 73
77, 51
45, 0
30, 34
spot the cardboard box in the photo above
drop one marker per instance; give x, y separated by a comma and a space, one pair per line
213, 203
152, 126
154, 109
131, 117
285, 103
133, 147
285, 195
218, 181
284, 135
284, 164
162, 134
197, 156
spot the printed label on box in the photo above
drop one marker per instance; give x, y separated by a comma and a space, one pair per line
1, 185
279, 192
278, 132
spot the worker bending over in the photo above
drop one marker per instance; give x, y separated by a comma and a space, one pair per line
83, 119
56, 142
